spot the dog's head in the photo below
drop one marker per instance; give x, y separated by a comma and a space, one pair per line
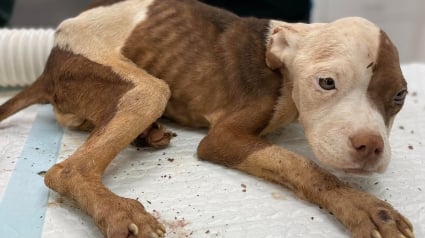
347, 87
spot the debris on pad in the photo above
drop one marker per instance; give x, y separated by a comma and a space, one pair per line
42, 173
243, 187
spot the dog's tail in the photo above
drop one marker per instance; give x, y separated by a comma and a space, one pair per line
37, 93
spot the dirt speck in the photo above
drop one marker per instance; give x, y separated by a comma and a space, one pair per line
278, 196
170, 159
401, 127
42, 173
243, 187
410, 147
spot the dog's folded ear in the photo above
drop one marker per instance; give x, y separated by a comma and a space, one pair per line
275, 47
283, 42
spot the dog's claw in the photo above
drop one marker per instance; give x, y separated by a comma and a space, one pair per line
160, 232
408, 224
376, 234
154, 235
133, 229
162, 227
409, 232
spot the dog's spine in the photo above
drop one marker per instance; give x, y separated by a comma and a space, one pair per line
37, 93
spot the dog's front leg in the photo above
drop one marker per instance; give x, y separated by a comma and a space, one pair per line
364, 215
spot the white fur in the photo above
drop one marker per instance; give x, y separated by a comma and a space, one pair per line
341, 50
100, 33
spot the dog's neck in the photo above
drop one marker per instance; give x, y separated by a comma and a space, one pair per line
285, 110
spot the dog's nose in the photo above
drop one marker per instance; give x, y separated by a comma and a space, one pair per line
367, 146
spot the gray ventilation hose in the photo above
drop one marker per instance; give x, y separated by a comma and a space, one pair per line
23, 55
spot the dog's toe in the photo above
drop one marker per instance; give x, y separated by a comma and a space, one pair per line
378, 219
126, 218
155, 136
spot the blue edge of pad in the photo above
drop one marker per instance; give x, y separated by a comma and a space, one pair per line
24, 204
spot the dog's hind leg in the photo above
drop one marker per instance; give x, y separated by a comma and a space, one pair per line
80, 176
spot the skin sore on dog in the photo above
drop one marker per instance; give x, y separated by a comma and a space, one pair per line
384, 216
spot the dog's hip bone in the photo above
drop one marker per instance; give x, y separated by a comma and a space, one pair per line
23, 54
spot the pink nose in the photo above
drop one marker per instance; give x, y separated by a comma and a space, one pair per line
367, 146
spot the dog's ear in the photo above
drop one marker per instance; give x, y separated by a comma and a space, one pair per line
283, 42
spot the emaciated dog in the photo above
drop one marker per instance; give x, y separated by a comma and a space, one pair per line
120, 65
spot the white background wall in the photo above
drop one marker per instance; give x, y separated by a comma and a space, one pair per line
403, 21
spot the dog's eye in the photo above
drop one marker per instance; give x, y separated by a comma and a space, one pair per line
400, 96
327, 83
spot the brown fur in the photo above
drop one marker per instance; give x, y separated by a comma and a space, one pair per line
220, 53
100, 84
203, 67
386, 71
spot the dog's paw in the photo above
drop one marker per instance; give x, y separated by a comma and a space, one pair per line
155, 136
127, 218
372, 218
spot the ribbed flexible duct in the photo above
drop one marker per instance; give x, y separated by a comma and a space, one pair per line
23, 55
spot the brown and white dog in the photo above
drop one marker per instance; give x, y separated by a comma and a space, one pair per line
120, 65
